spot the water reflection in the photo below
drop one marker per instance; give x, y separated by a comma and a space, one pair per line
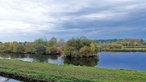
118, 60
39, 58
57, 59
90, 61
4, 79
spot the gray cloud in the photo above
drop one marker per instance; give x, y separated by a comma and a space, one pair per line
22, 18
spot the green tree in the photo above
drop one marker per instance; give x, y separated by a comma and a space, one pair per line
71, 51
40, 46
79, 47
29, 48
18, 47
2, 48
72, 48
53, 50
52, 42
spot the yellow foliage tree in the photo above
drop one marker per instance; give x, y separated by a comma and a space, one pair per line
92, 46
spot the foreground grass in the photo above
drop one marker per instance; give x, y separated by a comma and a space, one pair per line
69, 73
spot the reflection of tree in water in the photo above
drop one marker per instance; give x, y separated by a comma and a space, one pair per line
39, 58
6, 80
83, 61
43, 58
3, 79
54, 57
35, 57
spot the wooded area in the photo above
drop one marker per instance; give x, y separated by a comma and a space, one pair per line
80, 47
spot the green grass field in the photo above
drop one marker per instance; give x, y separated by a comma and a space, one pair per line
69, 73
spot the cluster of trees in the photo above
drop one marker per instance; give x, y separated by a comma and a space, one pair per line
131, 42
108, 46
120, 44
144, 43
39, 46
82, 47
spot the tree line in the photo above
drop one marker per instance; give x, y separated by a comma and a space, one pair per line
39, 46
75, 47
121, 44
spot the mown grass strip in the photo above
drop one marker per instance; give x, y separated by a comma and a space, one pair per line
68, 73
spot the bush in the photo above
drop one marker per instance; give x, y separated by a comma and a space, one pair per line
79, 48
86, 51
53, 50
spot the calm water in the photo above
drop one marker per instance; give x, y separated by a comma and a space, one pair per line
4, 79
118, 60
123, 60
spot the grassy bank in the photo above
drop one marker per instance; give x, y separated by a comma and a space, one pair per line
64, 73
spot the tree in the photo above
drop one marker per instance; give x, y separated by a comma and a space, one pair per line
144, 43
40, 46
92, 46
84, 42
79, 47
19, 48
61, 43
52, 42
2, 48
9, 47
53, 50
115, 46
72, 48
71, 51
85, 51
29, 48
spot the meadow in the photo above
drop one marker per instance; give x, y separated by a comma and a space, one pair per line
66, 73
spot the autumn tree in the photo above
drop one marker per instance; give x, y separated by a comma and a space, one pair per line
92, 46
79, 48
29, 47
85, 51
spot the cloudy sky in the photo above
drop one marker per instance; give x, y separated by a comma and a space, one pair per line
27, 20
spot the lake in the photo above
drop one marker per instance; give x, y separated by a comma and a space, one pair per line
114, 60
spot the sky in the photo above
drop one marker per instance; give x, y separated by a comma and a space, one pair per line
27, 20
